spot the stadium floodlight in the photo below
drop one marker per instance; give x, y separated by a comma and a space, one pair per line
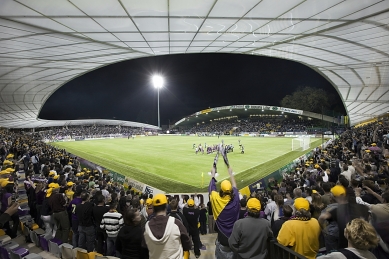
158, 83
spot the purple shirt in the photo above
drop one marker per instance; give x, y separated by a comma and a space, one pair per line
230, 213
4, 201
72, 207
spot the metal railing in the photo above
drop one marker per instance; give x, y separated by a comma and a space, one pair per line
277, 251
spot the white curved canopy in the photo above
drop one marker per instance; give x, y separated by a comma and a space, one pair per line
46, 43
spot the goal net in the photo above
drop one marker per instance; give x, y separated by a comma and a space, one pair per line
301, 143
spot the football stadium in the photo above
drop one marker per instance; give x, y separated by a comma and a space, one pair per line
265, 134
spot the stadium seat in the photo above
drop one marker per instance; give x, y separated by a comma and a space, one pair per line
4, 239
82, 254
55, 247
44, 244
67, 251
76, 249
35, 238
10, 245
18, 253
33, 256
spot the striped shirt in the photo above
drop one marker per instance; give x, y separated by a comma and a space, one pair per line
111, 223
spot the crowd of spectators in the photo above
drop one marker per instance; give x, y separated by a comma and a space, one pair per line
254, 124
89, 131
334, 204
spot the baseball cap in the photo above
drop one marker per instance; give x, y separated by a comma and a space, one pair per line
190, 203
7, 162
254, 204
4, 172
54, 185
70, 183
49, 192
338, 190
226, 186
56, 176
149, 202
373, 144
301, 203
9, 169
159, 199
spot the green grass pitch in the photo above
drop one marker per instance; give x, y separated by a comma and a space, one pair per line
169, 163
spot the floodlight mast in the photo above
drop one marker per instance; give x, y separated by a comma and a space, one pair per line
158, 83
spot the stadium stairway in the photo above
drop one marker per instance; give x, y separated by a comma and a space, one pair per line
207, 240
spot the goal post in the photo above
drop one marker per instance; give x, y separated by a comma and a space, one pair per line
301, 143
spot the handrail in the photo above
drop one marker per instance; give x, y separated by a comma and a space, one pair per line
276, 250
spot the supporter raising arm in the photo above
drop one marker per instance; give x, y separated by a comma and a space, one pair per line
225, 207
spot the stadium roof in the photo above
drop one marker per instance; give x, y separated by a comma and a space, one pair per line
244, 111
60, 123
44, 44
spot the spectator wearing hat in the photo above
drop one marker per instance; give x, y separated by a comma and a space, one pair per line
343, 213
301, 232
165, 237
72, 211
86, 229
225, 208
47, 216
361, 237
6, 201
192, 215
98, 212
249, 235
57, 203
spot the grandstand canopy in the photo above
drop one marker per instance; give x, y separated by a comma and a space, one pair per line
244, 111
44, 44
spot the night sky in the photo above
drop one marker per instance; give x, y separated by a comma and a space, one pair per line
193, 82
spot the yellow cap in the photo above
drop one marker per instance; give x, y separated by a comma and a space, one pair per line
54, 185
367, 151
49, 192
9, 169
52, 173
7, 162
159, 199
4, 172
226, 186
10, 156
301, 203
338, 190
314, 191
190, 203
374, 144
70, 183
254, 204
149, 202
78, 174
56, 177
